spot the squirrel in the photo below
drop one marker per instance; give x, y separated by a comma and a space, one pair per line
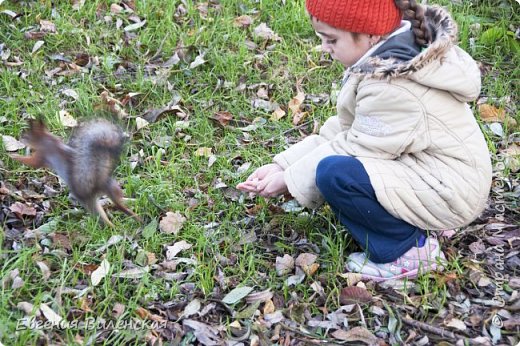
86, 163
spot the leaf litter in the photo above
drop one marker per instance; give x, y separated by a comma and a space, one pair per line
486, 286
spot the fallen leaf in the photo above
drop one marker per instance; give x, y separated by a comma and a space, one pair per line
284, 265
179, 246
263, 296
236, 295
298, 117
141, 123
67, 119
22, 210
134, 26
305, 259
113, 105
37, 46
70, 93
243, 21
296, 102
77, 4
192, 308
354, 295
46, 272
98, 274
116, 9
269, 307
118, 310
28, 308
47, 26
455, 323
11, 143
203, 151
491, 114
205, 334
133, 273
153, 114
50, 315
356, 334
199, 60
34, 35
278, 114
223, 118
172, 223
264, 32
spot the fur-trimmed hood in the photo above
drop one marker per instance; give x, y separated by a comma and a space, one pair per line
441, 65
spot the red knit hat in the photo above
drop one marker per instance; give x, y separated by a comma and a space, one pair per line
375, 17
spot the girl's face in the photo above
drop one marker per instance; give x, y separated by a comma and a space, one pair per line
342, 45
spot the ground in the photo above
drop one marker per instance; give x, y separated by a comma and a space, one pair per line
206, 92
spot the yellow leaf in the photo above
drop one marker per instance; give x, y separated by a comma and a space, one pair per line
203, 151
295, 103
491, 114
278, 114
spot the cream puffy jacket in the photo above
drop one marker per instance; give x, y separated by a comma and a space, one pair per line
410, 126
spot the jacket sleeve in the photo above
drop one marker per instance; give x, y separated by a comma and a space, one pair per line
295, 152
389, 121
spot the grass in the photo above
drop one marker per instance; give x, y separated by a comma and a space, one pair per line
172, 177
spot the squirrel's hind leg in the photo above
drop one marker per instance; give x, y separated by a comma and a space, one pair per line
116, 195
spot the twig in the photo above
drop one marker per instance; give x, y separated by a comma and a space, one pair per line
429, 328
297, 127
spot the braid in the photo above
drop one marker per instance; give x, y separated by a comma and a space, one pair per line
415, 14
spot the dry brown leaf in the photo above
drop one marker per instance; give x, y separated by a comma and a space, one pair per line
62, 240
296, 102
354, 295
310, 269
113, 105
34, 35
264, 32
223, 118
269, 307
116, 9
21, 210
47, 26
243, 21
305, 259
298, 117
152, 115
356, 334
490, 114
172, 223
278, 114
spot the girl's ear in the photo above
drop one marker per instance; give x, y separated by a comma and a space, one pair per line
374, 39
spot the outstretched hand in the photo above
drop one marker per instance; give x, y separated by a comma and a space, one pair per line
266, 181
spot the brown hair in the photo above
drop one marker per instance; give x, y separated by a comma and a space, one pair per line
415, 14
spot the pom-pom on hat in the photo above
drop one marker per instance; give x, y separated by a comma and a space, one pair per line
374, 17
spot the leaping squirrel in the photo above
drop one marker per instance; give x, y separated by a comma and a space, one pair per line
86, 163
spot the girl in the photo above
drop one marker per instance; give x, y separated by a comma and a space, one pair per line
404, 155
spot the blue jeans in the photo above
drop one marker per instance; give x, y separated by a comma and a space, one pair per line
345, 185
